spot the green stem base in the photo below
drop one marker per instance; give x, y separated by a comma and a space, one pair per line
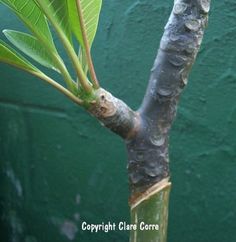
150, 213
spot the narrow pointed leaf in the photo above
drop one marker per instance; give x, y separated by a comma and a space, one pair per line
32, 16
31, 47
90, 14
58, 10
11, 57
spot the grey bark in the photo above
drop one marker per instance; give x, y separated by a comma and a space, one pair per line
146, 131
115, 114
148, 152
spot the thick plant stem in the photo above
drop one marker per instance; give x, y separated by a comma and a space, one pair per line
150, 213
148, 151
146, 132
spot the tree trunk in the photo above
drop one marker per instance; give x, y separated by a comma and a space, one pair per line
146, 131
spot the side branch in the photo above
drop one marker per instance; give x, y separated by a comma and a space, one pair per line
114, 114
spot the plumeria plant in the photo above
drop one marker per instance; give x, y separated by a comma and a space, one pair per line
144, 131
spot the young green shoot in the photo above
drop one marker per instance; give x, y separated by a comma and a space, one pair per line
68, 18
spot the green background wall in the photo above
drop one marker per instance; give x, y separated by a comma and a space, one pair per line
59, 167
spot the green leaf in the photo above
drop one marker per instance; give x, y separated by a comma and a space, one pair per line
32, 16
57, 13
11, 57
31, 47
90, 14
57, 10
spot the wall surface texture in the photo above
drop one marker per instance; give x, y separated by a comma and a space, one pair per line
59, 167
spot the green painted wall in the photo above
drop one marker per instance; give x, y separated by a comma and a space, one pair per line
59, 167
